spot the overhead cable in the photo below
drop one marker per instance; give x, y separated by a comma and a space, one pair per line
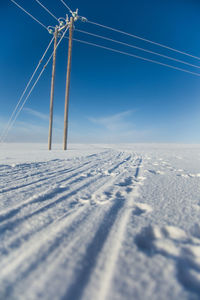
36, 81
29, 82
145, 40
46, 9
29, 14
138, 48
63, 2
139, 57
20, 100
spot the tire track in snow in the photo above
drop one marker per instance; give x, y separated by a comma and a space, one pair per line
20, 173
108, 257
16, 222
71, 166
48, 175
54, 179
24, 169
105, 244
25, 259
50, 193
35, 253
28, 260
93, 250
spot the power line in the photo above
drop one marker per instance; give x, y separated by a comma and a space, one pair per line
46, 9
138, 48
145, 40
29, 14
29, 82
20, 109
36, 81
139, 57
63, 2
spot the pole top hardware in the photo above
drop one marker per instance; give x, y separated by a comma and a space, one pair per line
63, 23
77, 17
51, 29
83, 19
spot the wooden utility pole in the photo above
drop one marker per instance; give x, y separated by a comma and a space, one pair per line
52, 90
71, 27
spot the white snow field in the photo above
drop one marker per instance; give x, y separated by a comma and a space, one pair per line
113, 222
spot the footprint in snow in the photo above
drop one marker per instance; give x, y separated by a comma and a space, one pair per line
155, 172
141, 208
85, 199
104, 197
128, 190
170, 168
127, 181
175, 244
110, 194
189, 175
165, 163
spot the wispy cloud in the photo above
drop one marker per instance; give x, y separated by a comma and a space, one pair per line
118, 127
36, 113
119, 121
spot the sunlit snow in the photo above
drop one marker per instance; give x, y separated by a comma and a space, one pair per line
100, 222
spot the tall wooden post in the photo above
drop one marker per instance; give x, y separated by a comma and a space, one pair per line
68, 83
52, 90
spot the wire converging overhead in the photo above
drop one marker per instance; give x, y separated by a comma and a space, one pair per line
63, 25
136, 56
63, 2
29, 14
17, 112
138, 48
44, 7
21, 98
145, 40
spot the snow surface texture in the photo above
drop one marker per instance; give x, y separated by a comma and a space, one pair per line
100, 222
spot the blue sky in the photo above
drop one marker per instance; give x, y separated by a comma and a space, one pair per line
113, 98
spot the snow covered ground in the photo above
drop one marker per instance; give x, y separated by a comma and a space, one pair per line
100, 222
